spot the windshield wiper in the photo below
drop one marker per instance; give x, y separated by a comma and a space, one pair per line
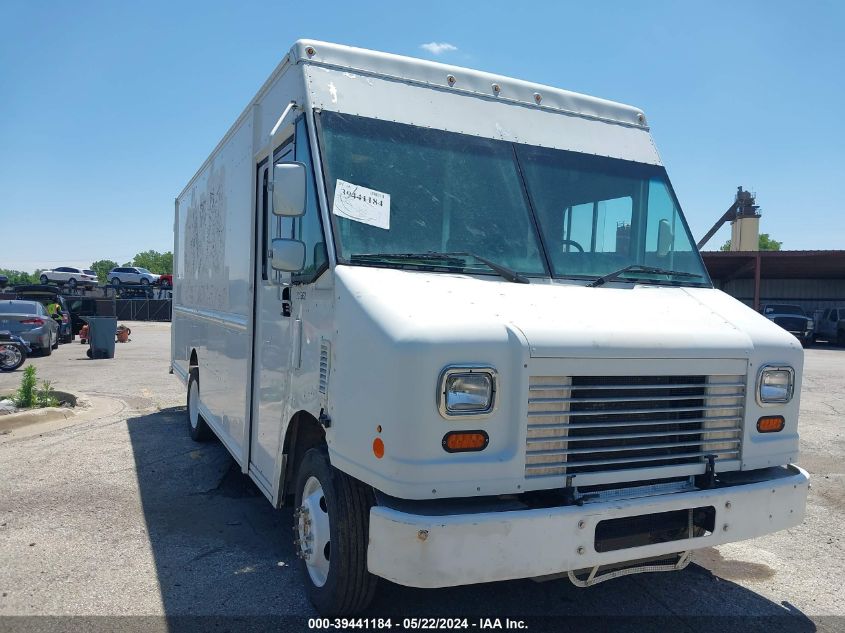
637, 268
458, 259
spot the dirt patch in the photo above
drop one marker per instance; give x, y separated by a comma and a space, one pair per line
821, 463
710, 558
831, 489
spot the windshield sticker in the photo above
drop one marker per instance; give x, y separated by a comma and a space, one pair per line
361, 204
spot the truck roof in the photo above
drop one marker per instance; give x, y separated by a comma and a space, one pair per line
465, 80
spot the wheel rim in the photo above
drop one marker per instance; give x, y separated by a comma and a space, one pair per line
145, 281
313, 531
43, 279
193, 407
10, 355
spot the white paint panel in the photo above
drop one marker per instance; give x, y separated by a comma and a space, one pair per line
409, 325
466, 113
486, 547
354, 61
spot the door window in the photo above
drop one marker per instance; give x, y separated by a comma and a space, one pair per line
276, 226
262, 216
309, 228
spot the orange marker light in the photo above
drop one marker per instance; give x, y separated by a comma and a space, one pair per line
378, 448
462, 441
770, 424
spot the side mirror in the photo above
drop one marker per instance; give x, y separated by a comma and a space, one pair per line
289, 190
665, 238
288, 256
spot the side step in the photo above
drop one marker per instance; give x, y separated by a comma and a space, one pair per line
595, 578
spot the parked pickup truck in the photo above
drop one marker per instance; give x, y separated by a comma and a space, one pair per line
830, 326
791, 318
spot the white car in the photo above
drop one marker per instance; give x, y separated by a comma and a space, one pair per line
71, 276
131, 275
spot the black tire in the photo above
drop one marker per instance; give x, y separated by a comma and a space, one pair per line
48, 350
21, 358
44, 280
115, 281
56, 344
349, 587
840, 338
145, 281
197, 428
72, 283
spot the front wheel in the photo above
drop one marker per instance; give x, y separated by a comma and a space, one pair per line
115, 281
145, 281
332, 522
72, 283
43, 279
197, 426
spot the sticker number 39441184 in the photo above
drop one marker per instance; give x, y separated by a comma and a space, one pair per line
362, 204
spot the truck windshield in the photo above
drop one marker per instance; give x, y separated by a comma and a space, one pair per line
784, 309
397, 188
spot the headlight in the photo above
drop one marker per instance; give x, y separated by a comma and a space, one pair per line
775, 385
466, 391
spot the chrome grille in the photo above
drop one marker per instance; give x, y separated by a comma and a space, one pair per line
587, 425
792, 324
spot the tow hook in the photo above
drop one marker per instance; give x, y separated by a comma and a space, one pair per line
708, 479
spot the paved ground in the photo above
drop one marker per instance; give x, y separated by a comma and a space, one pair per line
116, 512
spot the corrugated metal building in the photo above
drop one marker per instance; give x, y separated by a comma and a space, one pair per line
812, 279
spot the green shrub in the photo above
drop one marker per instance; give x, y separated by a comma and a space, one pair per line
45, 397
25, 396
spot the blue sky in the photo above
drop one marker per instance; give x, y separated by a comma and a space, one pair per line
108, 108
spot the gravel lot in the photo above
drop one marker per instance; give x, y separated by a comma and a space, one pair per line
115, 512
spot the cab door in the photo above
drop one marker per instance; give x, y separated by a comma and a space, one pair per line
272, 330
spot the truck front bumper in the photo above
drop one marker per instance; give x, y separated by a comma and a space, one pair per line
460, 549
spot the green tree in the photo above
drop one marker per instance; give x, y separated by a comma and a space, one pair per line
766, 243
102, 268
159, 263
19, 277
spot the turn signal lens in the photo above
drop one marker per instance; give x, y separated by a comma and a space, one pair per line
463, 441
771, 424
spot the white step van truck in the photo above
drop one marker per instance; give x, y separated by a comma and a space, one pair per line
460, 323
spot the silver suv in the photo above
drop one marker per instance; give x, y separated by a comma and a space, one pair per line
830, 326
131, 275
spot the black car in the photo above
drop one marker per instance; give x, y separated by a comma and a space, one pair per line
84, 307
791, 318
47, 295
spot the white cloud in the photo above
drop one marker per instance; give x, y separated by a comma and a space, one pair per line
436, 48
